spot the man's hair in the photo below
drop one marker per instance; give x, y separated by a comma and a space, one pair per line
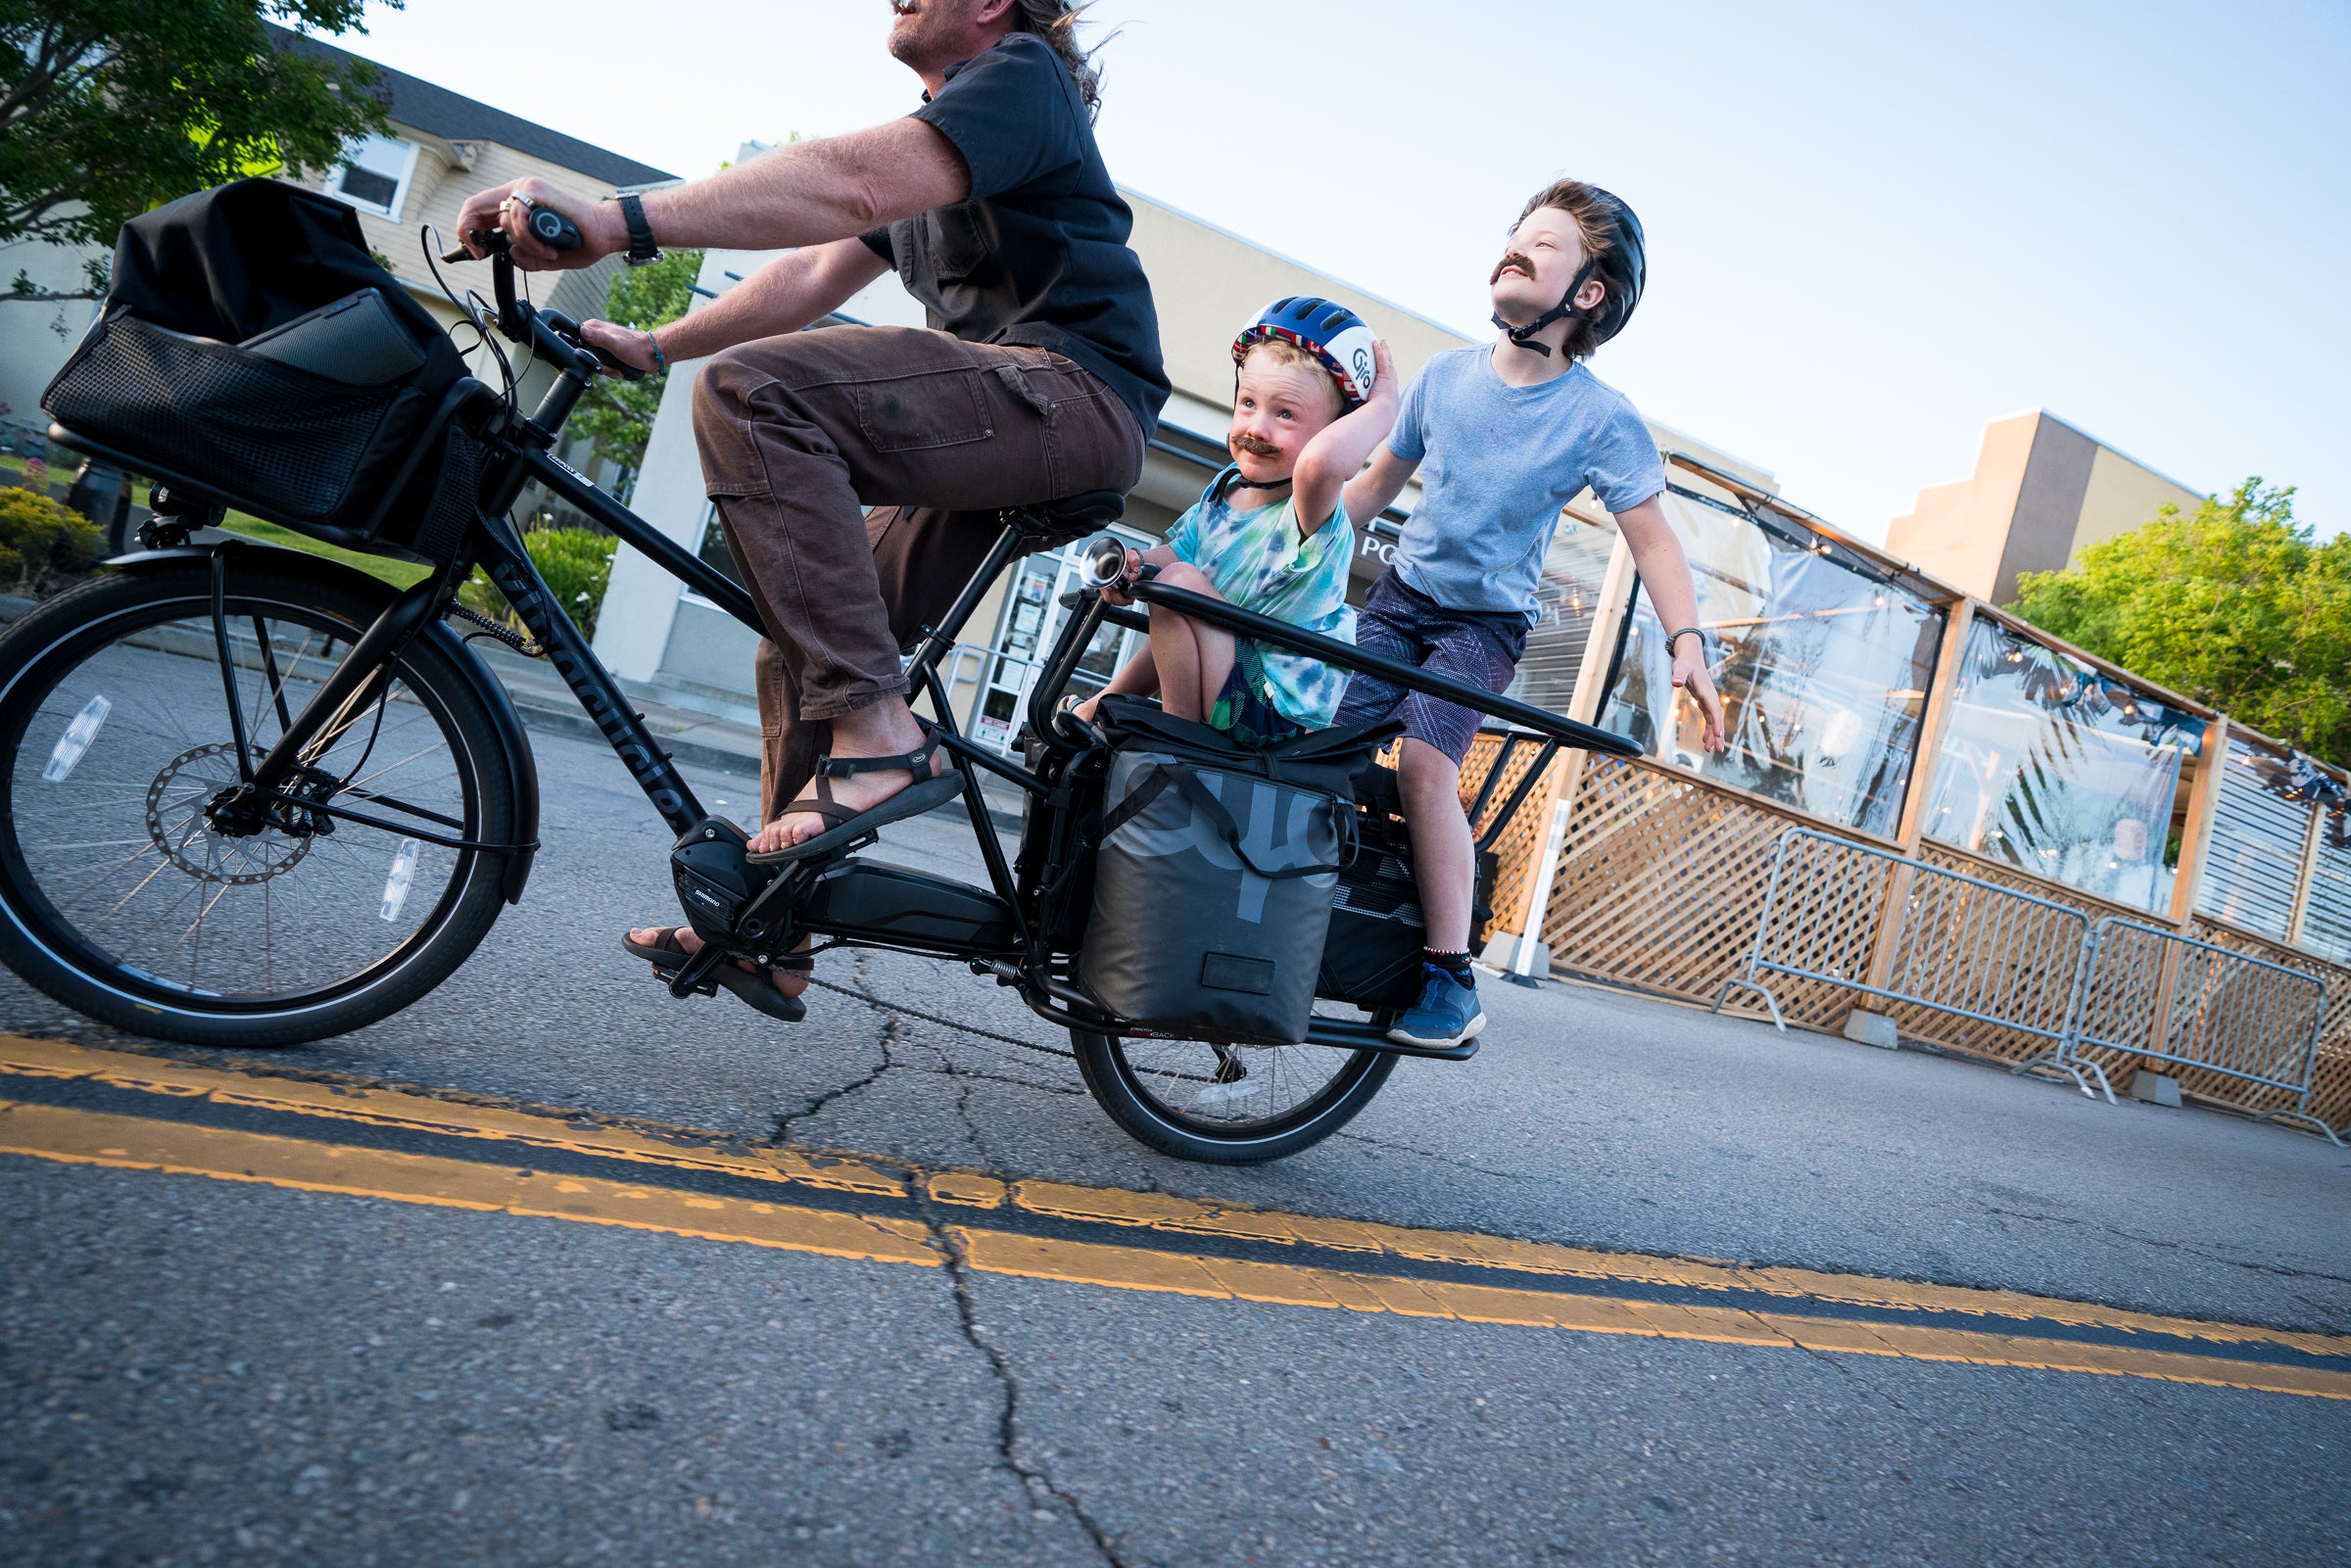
1595, 231
1056, 22
1284, 352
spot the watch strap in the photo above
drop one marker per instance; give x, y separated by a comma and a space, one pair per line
642, 249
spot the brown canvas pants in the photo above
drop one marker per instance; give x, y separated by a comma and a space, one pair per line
800, 434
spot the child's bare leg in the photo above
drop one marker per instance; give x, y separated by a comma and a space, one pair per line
1138, 676
1192, 659
1443, 862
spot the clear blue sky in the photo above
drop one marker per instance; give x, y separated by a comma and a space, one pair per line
1871, 228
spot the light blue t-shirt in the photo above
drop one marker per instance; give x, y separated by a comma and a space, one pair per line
1497, 464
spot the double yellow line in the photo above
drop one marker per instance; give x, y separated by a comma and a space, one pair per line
64, 1103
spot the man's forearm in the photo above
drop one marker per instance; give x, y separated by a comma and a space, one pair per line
811, 192
783, 295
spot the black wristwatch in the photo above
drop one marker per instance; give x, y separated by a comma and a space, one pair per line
641, 250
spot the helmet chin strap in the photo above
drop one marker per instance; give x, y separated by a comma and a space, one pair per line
1237, 481
1524, 337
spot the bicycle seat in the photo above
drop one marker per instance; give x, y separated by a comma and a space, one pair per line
1072, 514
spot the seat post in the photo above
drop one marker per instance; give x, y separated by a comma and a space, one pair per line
939, 638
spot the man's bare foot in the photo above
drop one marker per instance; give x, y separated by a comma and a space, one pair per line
787, 982
884, 730
1083, 712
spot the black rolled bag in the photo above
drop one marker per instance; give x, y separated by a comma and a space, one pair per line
1216, 873
252, 348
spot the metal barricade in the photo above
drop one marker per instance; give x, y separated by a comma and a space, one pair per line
2154, 993
1965, 946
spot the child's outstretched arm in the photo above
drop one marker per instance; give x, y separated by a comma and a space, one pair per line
1336, 453
1665, 573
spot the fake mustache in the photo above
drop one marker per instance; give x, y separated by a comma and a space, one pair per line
1253, 445
1510, 260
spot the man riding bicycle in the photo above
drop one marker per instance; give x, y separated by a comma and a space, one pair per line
1040, 378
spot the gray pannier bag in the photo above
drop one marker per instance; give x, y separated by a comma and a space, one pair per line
1216, 873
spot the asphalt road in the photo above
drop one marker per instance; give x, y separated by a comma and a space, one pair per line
197, 1371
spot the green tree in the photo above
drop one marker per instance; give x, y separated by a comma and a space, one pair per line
619, 415
2235, 604
111, 107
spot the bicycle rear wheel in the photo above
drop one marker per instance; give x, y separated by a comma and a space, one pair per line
122, 898
1223, 1103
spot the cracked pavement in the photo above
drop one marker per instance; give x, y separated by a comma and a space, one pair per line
202, 1372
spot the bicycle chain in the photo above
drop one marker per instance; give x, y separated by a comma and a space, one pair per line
933, 1017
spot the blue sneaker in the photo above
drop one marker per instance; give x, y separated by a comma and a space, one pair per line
1447, 1013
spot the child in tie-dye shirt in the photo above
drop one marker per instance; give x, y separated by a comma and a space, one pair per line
1269, 534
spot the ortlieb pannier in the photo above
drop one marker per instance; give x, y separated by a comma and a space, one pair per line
1214, 873
250, 345
1378, 934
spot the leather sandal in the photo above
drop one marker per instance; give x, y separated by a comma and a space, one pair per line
848, 825
668, 955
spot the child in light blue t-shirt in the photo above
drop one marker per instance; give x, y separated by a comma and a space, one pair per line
1314, 394
1503, 436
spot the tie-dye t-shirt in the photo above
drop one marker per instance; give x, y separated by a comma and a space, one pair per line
1258, 561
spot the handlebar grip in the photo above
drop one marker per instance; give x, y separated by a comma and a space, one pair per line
619, 367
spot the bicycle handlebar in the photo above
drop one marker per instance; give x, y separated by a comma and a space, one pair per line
550, 332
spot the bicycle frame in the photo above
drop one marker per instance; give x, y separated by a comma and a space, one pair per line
521, 449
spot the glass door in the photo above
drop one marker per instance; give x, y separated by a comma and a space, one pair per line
1032, 619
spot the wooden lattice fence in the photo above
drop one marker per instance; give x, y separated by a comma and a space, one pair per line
1661, 885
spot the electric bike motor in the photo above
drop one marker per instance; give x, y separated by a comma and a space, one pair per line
715, 883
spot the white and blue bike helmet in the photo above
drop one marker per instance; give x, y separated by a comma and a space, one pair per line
1331, 333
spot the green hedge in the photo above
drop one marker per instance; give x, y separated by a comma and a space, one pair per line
45, 548
577, 564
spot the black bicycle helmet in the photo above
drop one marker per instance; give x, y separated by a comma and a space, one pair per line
1623, 266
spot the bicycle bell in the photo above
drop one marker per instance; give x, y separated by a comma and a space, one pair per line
1104, 563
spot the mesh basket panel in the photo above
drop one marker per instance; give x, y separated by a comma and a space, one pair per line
294, 444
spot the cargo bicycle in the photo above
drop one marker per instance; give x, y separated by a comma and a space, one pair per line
257, 797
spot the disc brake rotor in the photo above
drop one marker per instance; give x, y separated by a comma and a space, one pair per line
175, 822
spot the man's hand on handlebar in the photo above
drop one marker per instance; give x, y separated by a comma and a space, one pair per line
631, 348
510, 208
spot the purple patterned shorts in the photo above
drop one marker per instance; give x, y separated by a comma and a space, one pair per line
1475, 647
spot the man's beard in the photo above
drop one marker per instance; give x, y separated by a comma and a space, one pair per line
1253, 445
911, 45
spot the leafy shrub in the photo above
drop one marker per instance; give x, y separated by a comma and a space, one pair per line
44, 546
577, 564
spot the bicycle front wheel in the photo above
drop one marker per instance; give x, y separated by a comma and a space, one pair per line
124, 898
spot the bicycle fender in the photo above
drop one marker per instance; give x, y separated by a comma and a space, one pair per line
512, 738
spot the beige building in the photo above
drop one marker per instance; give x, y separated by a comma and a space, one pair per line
2042, 491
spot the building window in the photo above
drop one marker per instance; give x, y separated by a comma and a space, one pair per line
374, 175
2058, 769
1822, 663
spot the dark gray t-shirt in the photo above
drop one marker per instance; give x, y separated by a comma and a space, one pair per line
1038, 254
1497, 464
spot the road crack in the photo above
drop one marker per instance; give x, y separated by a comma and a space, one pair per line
1044, 1492
1430, 1154
2164, 1244
887, 1038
